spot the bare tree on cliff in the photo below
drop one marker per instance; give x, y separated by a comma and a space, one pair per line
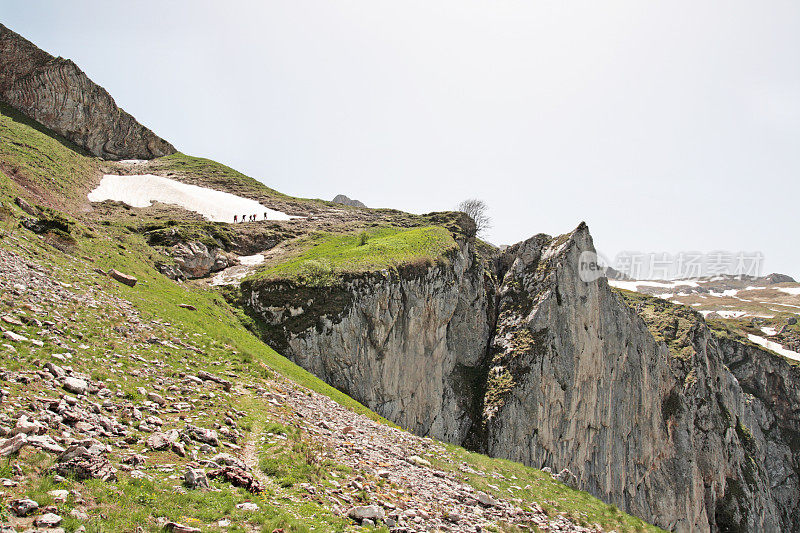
476, 210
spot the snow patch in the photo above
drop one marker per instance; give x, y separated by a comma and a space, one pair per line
729, 293
794, 291
633, 285
769, 331
143, 190
251, 260
774, 346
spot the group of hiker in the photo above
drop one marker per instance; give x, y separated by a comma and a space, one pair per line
247, 218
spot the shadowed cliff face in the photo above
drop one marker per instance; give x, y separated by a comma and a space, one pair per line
56, 93
522, 359
408, 345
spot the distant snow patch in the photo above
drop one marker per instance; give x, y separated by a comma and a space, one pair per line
774, 346
769, 332
634, 285
794, 291
729, 293
143, 190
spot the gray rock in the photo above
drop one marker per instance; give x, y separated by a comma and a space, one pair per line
487, 499
156, 398
206, 436
574, 378
23, 507
366, 512
567, 478
196, 260
158, 441
344, 200
75, 385
85, 463
195, 478
47, 520
12, 445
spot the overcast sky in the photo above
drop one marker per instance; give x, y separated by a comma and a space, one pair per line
667, 126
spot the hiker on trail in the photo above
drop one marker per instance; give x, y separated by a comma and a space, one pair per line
265, 215
235, 219
243, 217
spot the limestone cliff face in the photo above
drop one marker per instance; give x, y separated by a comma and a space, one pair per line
578, 381
56, 93
773, 389
521, 358
408, 345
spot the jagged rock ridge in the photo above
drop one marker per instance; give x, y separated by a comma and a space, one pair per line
56, 93
520, 358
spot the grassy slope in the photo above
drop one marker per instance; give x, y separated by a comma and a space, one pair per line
48, 164
672, 323
223, 340
366, 251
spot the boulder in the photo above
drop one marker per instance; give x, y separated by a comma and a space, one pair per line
47, 520
83, 463
75, 385
195, 478
487, 499
196, 260
12, 445
237, 477
126, 279
206, 436
360, 513
158, 441
177, 527
23, 507
25, 206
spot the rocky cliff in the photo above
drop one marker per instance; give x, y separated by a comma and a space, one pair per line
408, 344
520, 358
659, 427
56, 93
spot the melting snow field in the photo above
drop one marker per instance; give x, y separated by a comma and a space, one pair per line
774, 346
143, 190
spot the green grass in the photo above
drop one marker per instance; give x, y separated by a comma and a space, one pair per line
507, 479
670, 323
45, 163
366, 251
215, 175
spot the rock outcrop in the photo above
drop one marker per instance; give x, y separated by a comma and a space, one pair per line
344, 200
196, 260
408, 345
519, 357
56, 93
